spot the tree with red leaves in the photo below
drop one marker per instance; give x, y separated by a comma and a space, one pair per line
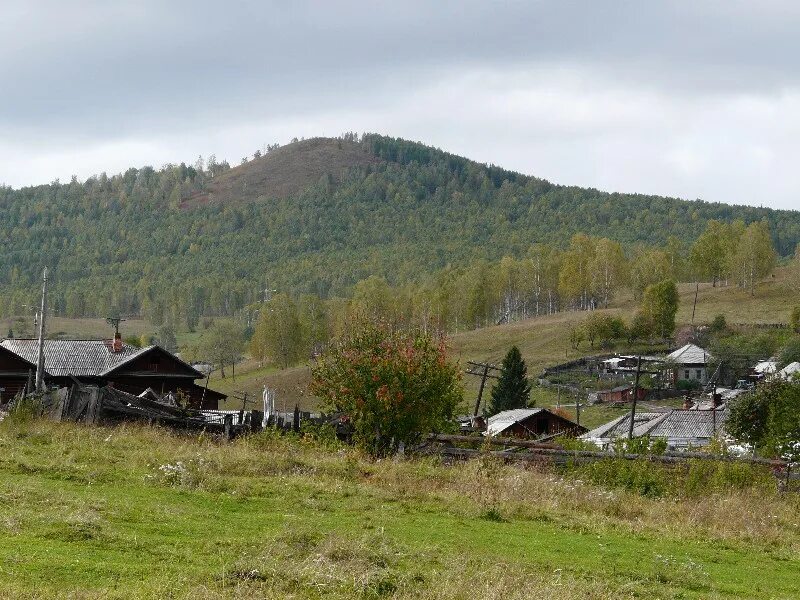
395, 384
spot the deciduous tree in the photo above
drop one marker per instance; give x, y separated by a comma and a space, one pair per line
395, 385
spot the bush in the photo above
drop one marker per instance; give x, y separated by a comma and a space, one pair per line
694, 478
394, 384
768, 418
640, 476
687, 384
719, 324
790, 352
794, 319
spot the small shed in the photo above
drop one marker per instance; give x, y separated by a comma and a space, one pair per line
15, 371
622, 393
531, 423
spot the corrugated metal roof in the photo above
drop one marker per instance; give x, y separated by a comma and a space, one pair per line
674, 425
688, 424
619, 426
789, 370
81, 358
689, 355
766, 366
503, 420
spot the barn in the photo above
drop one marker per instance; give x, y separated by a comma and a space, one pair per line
531, 423
108, 363
622, 393
15, 372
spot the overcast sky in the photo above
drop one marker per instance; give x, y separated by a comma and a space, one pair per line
695, 99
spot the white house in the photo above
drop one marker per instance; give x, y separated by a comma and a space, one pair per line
690, 363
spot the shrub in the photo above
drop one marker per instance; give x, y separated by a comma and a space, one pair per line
394, 384
794, 319
687, 384
719, 324
790, 352
768, 418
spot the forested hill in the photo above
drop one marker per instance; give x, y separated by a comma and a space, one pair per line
313, 216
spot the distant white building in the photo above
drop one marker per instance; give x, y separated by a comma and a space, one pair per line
689, 363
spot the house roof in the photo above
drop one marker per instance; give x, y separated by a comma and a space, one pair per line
619, 426
28, 364
766, 366
789, 370
81, 358
505, 419
687, 424
689, 355
674, 424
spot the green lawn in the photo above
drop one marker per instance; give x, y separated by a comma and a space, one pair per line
96, 513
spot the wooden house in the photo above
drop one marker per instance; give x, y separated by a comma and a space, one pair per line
622, 393
15, 372
530, 423
116, 364
689, 363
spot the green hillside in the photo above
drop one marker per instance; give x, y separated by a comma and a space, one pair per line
315, 216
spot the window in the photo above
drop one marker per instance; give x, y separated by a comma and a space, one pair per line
686, 374
699, 373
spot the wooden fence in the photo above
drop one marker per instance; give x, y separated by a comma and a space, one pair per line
532, 452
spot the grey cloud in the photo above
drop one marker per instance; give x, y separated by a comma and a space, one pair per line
165, 76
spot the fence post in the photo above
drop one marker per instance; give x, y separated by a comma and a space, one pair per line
228, 426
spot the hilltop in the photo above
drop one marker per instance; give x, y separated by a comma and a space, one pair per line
284, 172
314, 216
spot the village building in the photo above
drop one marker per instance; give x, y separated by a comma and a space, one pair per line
106, 363
531, 423
16, 374
688, 363
790, 371
626, 364
621, 393
681, 429
764, 369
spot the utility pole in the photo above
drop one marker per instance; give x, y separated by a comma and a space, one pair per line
635, 395
484, 374
42, 318
480, 389
115, 322
696, 290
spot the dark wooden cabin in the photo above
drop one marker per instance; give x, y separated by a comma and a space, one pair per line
114, 363
15, 372
531, 423
622, 393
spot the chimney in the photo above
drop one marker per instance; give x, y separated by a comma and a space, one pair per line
117, 345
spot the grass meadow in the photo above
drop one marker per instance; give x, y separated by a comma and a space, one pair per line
140, 512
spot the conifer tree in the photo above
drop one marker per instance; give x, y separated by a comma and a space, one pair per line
513, 390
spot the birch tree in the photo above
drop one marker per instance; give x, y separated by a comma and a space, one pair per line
754, 257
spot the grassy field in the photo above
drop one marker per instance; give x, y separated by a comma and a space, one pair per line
142, 513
